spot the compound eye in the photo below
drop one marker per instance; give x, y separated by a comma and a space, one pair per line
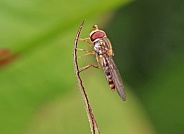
96, 35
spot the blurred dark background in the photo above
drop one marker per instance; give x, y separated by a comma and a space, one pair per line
150, 38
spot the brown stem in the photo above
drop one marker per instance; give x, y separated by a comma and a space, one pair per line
91, 118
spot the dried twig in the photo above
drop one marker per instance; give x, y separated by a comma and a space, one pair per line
91, 118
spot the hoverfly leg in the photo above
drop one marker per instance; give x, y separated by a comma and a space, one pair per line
86, 40
87, 52
92, 52
88, 66
98, 62
91, 65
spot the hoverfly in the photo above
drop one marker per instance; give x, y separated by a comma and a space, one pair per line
103, 51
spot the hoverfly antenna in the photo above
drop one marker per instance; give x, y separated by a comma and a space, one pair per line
95, 27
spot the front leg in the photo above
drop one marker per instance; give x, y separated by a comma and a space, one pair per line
87, 40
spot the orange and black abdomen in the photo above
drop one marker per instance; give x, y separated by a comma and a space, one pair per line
109, 78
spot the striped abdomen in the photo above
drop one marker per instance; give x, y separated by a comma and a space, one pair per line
108, 75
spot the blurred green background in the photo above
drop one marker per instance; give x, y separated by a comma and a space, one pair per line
38, 89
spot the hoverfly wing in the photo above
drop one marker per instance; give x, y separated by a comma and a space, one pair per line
116, 78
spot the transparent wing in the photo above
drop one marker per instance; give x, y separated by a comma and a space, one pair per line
116, 78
